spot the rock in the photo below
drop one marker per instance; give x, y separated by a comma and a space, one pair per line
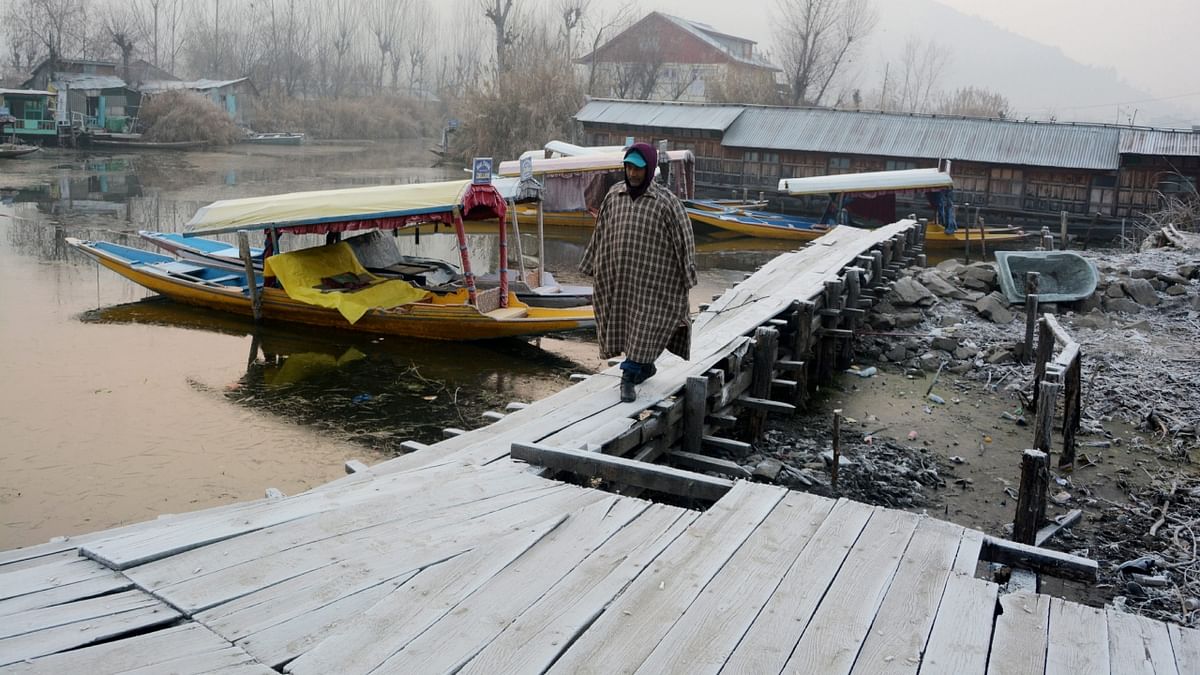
1092, 320
930, 361
994, 307
842, 461
896, 354
1123, 305
965, 352
882, 322
1143, 274
1048, 308
1114, 290
946, 344
1186, 271
909, 318
998, 356
951, 267
768, 469
907, 292
980, 277
1158, 285
885, 307
973, 296
1172, 278
1089, 304
1142, 292
1142, 326
1177, 289
937, 284
960, 368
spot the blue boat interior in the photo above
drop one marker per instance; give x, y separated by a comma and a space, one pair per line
205, 245
179, 268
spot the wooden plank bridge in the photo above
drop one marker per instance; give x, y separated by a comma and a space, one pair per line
459, 557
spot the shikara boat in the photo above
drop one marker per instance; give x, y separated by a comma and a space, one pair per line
14, 150
327, 285
762, 224
875, 193
1063, 276
277, 138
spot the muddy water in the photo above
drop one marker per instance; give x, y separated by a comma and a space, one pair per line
116, 406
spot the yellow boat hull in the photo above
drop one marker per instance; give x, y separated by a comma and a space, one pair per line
936, 237
420, 319
762, 231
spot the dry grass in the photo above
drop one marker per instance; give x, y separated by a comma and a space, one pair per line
186, 116
369, 118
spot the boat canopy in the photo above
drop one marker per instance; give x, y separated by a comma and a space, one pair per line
381, 206
907, 180
591, 163
564, 149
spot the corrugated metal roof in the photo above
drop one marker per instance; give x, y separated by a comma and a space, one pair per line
1160, 142
86, 81
153, 86
25, 92
665, 115
922, 136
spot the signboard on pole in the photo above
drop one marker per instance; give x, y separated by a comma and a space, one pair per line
526, 168
481, 171
629, 141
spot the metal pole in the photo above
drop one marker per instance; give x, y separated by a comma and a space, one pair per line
251, 281
520, 246
504, 261
541, 271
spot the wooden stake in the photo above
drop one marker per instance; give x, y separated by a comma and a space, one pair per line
1072, 411
766, 344
1043, 426
1031, 500
1062, 229
695, 393
251, 281
1045, 348
1031, 304
837, 447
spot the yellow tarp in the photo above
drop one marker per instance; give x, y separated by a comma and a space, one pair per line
229, 215
301, 274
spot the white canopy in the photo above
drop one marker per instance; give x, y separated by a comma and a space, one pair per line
873, 181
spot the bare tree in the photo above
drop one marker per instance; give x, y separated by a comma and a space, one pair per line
119, 24
498, 12
975, 102
343, 29
603, 26
816, 38
384, 20
921, 68
159, 25
58, 26
419, 23
571, 13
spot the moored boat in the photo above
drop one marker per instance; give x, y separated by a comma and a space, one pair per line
761, 224
327, 285
14, 150
275, 138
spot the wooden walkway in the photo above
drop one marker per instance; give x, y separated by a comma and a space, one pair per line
456, 558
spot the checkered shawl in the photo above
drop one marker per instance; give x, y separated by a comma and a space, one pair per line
642, 256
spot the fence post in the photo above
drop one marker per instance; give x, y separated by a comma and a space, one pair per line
1031, 500
1072, 409
1043, 429
766, 343
1032, 280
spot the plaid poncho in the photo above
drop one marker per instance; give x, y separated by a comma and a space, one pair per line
642, 256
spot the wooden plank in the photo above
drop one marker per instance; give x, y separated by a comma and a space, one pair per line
374, 635
629, 630
1137, 644
110, 582
621, 470
55, 629
1186, 643
464, 631
712, 626
697, 462
1019, 639
49, 573
726, 444
1078, 640
535, 639
897, 638
768, 644
189, 640
1041, 560
840, 624
766, 404
969, 547
287, 625
962, 632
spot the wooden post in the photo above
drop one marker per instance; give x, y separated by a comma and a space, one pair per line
922, 261
695, 395
1045, 348
1032, 280
251, 281
801, 351
766, 343
1031, 500
1062, 229
876, 268
982, 241
1047, 240
1043, 426
837, 447
1072, 409
828, 343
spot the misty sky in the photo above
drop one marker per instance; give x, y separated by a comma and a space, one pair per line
1152, 44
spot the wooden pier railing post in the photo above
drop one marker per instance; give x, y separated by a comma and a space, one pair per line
837, 448
1072, 410
1031, 500
766, 345
1045, 348
695, 397
830, 314
802, 331
1031, 304
876, 269
1043, 427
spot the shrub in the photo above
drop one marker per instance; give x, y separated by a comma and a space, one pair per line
374, 118
186, 116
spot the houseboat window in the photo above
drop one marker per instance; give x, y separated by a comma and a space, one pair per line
899, 165
839, 165
1176, 184
1006, 187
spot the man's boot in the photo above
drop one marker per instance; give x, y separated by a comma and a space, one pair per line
628, 393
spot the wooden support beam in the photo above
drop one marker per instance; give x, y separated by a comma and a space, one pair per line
451, 432
727, 444
1045, 349
627, 471
516, 405
1040, 560
355, 466
1061, 523
828, 351
766, 404
1072, 410
413, 446
579, 377
691, 460
695, 395
787, 365
492, 415
1032, 280
876, 268
1043, 424
766, 344
723, 421
1031, 499
783, 384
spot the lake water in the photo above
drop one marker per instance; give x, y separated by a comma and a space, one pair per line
117, 406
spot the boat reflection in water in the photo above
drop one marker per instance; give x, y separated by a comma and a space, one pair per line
378, 391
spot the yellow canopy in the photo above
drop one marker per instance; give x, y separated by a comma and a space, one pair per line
325, 206
306, 276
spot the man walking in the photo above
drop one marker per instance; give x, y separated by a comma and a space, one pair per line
642, 256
